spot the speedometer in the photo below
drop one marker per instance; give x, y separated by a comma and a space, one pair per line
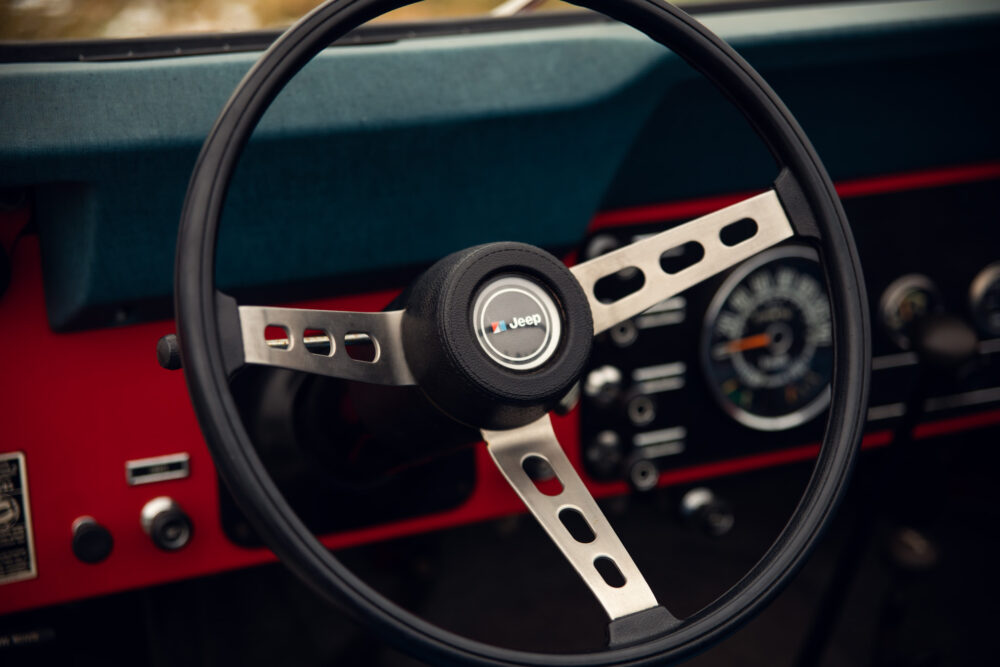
767, 345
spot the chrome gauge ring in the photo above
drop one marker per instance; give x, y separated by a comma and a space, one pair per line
767, 342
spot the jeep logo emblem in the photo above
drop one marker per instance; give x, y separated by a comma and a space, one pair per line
517, 322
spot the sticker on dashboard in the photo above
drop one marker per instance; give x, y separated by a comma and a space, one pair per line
17, 549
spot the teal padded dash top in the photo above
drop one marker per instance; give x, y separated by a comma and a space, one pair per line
379, 159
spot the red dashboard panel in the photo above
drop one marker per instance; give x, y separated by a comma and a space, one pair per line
80, 405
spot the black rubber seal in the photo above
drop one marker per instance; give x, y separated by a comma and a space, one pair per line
640, 627
255, 492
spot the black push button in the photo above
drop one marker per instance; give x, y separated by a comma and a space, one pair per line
92, 542
168, 352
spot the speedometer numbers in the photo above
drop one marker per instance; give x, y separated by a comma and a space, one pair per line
767, 344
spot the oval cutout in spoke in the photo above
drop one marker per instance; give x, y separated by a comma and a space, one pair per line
577, 525
548, 483
277, 337
682, 257
318, 342
619, 285
609, 572
737, 232
361, 347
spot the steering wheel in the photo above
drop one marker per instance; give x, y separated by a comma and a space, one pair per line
495, 335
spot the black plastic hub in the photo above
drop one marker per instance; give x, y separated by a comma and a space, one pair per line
496, 334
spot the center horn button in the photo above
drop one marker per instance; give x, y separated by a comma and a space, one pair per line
517, 322
496, 334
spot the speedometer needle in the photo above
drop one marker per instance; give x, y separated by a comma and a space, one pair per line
742, 344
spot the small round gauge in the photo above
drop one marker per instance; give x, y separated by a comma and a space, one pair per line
906, 301
767, 343
984, 299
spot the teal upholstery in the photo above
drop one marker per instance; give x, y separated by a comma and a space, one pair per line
382, 158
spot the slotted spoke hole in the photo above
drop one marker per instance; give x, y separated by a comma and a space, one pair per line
276, 337
682, 257
609, 572
541, 474
619, 285
318, 342
361, 346
577, 525
738, 232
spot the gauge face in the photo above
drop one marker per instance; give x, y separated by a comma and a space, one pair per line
767, 344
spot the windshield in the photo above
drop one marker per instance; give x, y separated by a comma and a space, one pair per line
44, 20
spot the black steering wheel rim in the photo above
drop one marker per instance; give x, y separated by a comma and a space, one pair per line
203, 340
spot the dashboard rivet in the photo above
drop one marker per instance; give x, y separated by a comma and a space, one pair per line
624, 334
643, 475
641, 410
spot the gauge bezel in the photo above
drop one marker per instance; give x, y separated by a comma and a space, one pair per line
985, 279
757, 422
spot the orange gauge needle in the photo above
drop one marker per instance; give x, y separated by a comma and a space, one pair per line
741, 344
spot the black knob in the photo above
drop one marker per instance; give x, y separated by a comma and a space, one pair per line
604, 454
166, 524
168, 352
92, 542
707, 512
603, 385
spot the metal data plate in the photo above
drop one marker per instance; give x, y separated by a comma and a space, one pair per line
17, 547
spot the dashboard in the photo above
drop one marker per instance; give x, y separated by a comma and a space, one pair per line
737, 371
343, 197
685, 434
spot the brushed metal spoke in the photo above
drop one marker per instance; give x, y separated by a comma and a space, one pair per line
340, 329
765, 209
509, 450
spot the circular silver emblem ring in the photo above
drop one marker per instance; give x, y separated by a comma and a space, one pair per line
517, 322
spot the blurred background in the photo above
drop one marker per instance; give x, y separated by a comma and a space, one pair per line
108, 19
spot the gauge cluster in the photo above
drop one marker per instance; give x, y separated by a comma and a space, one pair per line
741, 365
727, 369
